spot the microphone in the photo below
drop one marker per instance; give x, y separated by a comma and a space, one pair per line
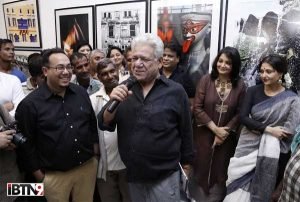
128, 83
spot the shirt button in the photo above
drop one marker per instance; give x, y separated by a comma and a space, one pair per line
80, 162
75, 140
67, 114
71, 126
78, 151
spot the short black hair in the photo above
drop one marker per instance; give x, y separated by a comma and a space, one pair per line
173, 47
234, 55
4, 41
103, 64
32, 56
48, 52
76, 56
83, 43
35, 64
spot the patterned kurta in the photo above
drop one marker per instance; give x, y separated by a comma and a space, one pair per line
210, 167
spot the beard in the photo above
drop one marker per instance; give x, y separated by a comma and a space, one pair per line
83, 79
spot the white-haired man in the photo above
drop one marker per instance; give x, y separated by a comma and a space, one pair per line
154, 126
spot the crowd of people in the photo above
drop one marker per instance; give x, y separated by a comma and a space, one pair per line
130, 125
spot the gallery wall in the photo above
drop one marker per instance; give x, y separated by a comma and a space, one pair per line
254, 30
47, 19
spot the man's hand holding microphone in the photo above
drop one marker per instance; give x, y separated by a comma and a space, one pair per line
118, 94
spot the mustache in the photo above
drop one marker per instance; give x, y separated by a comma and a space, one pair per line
82, 74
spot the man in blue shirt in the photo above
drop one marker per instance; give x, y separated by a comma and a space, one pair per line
7, 56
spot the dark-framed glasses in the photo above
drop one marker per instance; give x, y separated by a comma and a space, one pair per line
61, 68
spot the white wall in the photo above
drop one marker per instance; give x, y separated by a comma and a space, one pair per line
47, 19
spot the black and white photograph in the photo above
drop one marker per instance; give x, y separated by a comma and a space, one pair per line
118, 23
256, 31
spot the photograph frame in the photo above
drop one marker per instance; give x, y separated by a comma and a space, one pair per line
25, 33
121, 34
81, 15
259, 31
181, 10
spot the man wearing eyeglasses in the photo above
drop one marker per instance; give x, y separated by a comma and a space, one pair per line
61, 129
82, 73
154, 126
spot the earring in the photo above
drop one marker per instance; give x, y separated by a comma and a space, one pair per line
279, 81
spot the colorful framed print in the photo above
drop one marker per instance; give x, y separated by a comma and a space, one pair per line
74, 25
22, 23
194, 25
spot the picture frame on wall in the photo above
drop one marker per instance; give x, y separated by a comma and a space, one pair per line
194, 26
22, 23
257, 31
118, 23
74, 25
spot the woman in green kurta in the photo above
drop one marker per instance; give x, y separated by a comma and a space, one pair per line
216, 107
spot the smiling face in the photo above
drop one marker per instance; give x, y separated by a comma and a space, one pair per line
58, 80
109, 76
170, 59
145, 66
116, 57
269, 75
224, 65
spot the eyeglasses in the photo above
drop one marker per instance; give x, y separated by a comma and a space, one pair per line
61, 68
142, 59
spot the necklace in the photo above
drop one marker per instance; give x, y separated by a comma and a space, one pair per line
223, 85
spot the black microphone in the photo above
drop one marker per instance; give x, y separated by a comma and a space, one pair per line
128, 83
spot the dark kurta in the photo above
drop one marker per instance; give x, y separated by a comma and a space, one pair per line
207, 108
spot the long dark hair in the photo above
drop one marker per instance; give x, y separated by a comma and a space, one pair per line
234, 56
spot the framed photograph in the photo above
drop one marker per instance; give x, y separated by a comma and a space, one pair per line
194, 26
74, 25
257, 31
118, 23
22, 23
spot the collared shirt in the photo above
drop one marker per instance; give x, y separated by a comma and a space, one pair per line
291, 181
27, 87
180, 76
154, 132
61, 131
114, 162
94, 86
